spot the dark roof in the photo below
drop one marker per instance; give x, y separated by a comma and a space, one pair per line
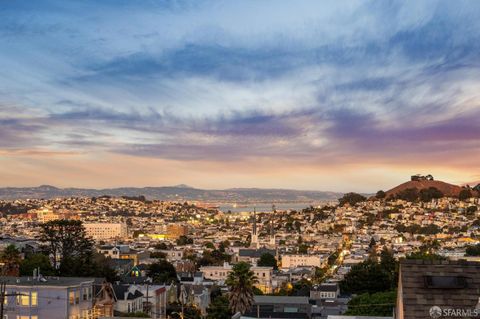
427, 283
255, 253
327, 287
281, 300
120, 291
135, 280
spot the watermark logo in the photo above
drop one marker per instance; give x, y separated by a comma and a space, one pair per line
435, 312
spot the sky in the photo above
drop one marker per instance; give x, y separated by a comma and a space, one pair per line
318, 95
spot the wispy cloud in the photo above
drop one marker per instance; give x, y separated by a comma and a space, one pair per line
310, 83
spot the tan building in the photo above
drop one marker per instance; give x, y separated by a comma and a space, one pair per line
220, 273
175, 230
106, 231
45, 215
293, 261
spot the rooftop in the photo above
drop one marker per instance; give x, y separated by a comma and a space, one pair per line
47, 281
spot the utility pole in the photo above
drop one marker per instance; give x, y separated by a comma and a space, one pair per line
2, 297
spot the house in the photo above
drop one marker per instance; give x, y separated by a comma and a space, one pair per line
434, 289
104, 299
252, 256
325, 291
195, 295
280, 307
48, 297
220, 273
293, 261
129, 299
123, 252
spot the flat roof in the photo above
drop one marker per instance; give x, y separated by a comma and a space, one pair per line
48, 281
282, 299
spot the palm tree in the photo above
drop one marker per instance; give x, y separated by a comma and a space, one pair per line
10, 261
240, 282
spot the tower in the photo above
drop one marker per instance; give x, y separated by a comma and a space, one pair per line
254, 242
272, 224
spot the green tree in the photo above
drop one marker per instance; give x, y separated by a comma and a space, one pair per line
184, 240
465, 194
427, 194
473, 250
68, 240
352, 199
10, 258
268, 260
219, 309
240, 282
368, 276
425, 255
381, 194
162, 272
409, 194
209, 245
376, 304
36, 261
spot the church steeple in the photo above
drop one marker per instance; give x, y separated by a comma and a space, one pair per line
254, 242
272, 225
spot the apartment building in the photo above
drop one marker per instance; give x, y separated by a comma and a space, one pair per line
48, 297
106, 231
293, 261
220, 273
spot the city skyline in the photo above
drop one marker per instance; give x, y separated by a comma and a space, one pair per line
327, 96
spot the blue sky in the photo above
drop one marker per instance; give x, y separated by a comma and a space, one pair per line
292, 94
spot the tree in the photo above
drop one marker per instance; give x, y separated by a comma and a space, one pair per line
426, 195
36, 261
162, 272
161, 246
68, 246
352, 199
10, 258
425, 255
319, 275
240, 282
376, 304
209, 245
184, 240
158, 254
219, 309
409, 194
368, 276
303, 249
381, 194
267, 260
465, 194
473, 250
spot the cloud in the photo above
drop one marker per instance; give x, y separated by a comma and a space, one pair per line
310, 83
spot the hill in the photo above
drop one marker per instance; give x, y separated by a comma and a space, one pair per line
449, 190
174, 193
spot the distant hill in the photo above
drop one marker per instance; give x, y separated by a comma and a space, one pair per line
178, 193
449, 190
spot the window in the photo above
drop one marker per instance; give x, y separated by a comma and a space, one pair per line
85, 293
23, 299
445, 282
77, 297
33, 299
85, 314
71, 297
